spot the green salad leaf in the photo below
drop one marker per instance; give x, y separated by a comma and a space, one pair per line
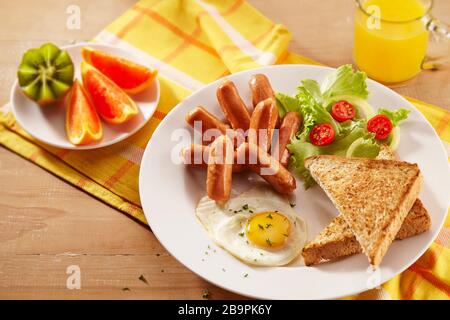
395, 116
286, 103
313, 112
353, 131
314, 102
312, 86
345, 81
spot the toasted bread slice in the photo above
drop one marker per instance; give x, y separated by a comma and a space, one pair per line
373, 196
337, 240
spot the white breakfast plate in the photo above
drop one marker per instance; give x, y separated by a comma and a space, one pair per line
169, 193
47, 123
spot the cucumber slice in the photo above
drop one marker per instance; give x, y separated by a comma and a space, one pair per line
395, 138
46, 73
361, 149
352, 147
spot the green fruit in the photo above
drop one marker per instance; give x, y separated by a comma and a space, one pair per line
45, 74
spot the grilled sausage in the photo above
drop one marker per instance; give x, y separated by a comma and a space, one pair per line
262, 123
219, 172
260, 162
260, 88
196, 155
289, 127
232, 106
208, 122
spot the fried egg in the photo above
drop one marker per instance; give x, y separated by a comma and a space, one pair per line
259, 226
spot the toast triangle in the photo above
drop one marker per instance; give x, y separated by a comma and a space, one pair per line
337, 239
373, 196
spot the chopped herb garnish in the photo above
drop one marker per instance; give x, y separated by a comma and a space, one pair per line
246, 275
158, 254
268, 225
241, 234
261, 253
142, 278
261, 227
206, 294
162, 270
206, 252
269, 216
284, 234
247, 242
245, 207
251, 211
269, 242
223, 269
126, 289
255, 260
292, 205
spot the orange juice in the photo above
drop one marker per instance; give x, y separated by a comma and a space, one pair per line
392, 48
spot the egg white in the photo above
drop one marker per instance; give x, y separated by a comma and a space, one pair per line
226, 225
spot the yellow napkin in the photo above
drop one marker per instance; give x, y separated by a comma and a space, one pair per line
192, 43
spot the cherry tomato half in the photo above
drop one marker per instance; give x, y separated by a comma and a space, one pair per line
321, 134
381, 125
343, 111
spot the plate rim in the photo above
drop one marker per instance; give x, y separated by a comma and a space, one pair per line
15, 87
262, 69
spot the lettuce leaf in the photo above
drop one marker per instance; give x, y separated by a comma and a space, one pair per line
313, 102
301, 149
313, 112
345, 81
395, 116
313, 88
286, 103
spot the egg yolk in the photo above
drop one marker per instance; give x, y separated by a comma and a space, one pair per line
268, 229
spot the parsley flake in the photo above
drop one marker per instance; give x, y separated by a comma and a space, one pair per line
206, 294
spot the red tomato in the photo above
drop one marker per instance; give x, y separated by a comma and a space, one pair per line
321, 134
381, 125
343, 111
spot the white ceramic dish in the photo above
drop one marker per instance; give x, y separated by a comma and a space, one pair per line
47, 124
169, 193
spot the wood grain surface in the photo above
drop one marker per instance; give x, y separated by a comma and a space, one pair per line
47, 225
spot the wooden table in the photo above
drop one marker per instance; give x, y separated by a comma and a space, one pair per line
47, 225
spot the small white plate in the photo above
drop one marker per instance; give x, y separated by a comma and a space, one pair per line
47, 123
170, 192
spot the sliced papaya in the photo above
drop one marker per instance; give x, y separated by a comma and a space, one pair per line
46, 73
133, 78
83, 124
110, 101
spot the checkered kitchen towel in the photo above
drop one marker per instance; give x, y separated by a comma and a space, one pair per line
191, 43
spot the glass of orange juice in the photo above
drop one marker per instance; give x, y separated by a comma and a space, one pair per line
391, 38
